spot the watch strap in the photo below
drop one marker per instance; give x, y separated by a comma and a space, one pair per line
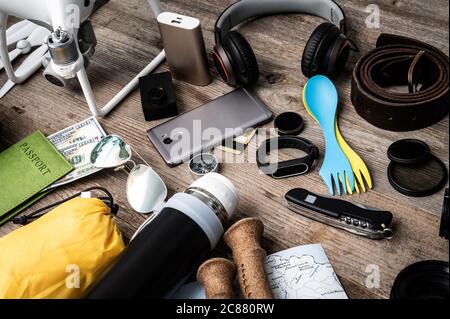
288, 168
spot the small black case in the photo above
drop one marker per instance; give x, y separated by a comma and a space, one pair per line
158, 96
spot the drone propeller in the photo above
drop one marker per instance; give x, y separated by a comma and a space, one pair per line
19, 31
36, 38
16, 27
32, 62
12, 56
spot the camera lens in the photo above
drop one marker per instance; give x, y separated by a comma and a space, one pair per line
157, 95
167, 140
54, 80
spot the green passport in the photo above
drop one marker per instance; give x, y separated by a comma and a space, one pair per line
26, 169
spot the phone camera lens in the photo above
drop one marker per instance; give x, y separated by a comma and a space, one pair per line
167, 140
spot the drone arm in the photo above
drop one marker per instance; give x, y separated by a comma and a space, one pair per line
87, 89
156, 6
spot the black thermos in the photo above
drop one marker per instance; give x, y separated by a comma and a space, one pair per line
168, 249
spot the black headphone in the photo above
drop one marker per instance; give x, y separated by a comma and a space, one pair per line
326, 51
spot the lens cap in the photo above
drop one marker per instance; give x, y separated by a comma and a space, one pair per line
423, 280
409, 151
413, 170
289, 123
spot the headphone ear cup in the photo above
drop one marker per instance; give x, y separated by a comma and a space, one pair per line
243, 59
337, 56
316, 48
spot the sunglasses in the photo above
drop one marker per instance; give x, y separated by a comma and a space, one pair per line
145, 188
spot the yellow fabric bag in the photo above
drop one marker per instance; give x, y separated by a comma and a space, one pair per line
61, 254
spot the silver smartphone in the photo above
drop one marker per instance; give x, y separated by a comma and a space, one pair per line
185, 48
207, 126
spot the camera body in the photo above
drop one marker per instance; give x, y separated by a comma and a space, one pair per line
65, 50
158, 96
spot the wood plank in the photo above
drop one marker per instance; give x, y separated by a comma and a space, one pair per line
128, 38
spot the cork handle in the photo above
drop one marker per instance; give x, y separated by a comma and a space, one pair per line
217, 276
244, 239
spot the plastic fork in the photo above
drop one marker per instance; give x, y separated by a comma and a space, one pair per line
359, 168
321, 98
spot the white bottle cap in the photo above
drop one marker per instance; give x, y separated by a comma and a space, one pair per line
221, 188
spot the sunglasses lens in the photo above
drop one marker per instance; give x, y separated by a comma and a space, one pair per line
145, 189
110, 152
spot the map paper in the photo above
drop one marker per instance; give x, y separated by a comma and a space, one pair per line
303, 272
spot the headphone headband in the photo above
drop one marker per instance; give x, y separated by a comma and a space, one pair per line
245, 10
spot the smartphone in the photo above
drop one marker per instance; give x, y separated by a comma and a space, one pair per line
207, 126
185, 48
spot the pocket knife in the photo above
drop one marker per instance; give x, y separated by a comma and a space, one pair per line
359, 220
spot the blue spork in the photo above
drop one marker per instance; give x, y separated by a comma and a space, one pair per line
322, 100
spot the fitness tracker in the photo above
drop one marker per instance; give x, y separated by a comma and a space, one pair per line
413, 170
289, 168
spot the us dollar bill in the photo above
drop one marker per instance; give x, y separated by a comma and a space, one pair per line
77, 133
76, 143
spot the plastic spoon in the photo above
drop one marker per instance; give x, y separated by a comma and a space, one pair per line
322, 100
359, 168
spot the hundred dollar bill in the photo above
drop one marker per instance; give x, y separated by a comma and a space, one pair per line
77, 133
76, 143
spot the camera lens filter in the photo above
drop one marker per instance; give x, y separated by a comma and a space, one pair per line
423, 280
413, 170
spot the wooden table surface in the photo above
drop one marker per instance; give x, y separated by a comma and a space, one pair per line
128, 38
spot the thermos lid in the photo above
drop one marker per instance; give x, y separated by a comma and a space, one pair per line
222, 189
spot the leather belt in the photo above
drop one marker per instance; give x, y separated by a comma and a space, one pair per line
400, 61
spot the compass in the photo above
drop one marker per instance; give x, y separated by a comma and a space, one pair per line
203, 164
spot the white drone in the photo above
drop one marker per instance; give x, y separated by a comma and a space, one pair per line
64, 40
